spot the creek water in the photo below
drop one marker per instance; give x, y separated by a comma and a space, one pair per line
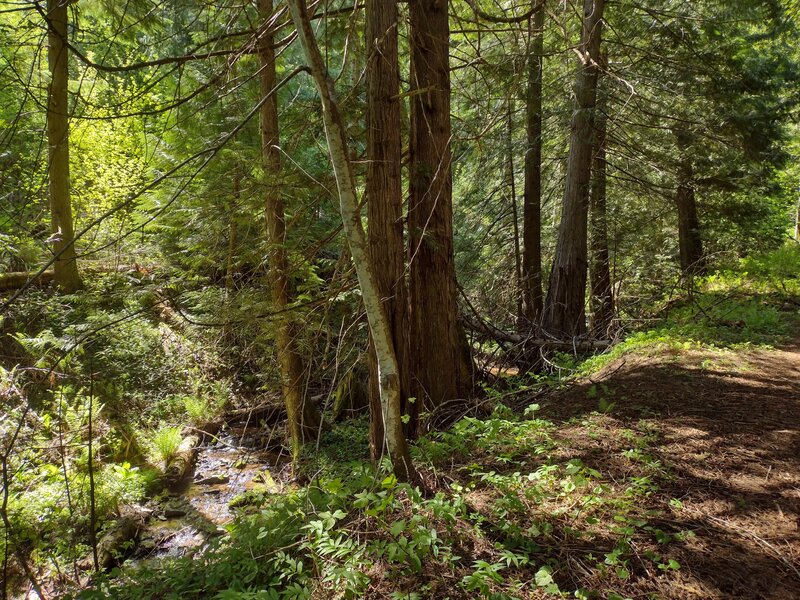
185, 520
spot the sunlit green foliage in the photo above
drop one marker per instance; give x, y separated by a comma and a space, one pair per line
514, 495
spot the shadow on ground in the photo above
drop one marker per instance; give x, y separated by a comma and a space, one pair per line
727, 428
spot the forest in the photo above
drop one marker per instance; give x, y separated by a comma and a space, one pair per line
341, 299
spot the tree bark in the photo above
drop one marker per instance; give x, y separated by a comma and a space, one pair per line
442, 367
227, 330
384, 197
601, 297
65, 267
689, 240
532, 295
388, 375
512, 193
797, 221
303, 419
565, 306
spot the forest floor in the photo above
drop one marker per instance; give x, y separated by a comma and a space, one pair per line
726, 427
670, 473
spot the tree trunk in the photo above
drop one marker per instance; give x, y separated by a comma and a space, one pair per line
601, 297
689, 240
65, 267
303, 419
384, 197
512, 192
532, 210
388, 375
227, 330
232, 233
442, 367
797, 221
565, 307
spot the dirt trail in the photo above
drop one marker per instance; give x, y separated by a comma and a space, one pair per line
729, 433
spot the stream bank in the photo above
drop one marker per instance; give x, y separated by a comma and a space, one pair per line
191, 512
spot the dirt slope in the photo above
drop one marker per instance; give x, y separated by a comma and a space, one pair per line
729, 434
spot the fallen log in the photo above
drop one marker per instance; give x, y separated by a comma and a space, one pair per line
269, 413
16, 279
119, 540
115, 543
526, 341
184, 458
207, 430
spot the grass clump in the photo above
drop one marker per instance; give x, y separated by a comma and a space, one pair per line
164, 444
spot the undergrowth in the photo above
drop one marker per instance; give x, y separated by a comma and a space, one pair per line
513, 508
504, 501
753, 302
106, 348
510, 507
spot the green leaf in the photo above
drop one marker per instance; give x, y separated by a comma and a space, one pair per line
544, 577
397, 528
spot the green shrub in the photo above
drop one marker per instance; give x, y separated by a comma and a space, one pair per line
164, 444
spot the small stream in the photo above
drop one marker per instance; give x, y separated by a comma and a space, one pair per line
184, 520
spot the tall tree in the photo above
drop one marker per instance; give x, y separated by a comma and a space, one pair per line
336, 135
65, 266
690, 244
689, 241
441, 355
532, 295
601, 295
564, 310
384, 195
302, 416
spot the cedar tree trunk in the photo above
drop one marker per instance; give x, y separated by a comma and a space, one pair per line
384, 197
303, 419
388, 375
442, 368
532, 209
565, 306
689, 240
601, 298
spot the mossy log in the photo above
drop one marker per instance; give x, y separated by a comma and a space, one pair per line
270, 413
119, 540
206, 430
16, 279
184, 458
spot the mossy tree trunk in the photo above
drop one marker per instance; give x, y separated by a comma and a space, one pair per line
65, 267
302, 417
